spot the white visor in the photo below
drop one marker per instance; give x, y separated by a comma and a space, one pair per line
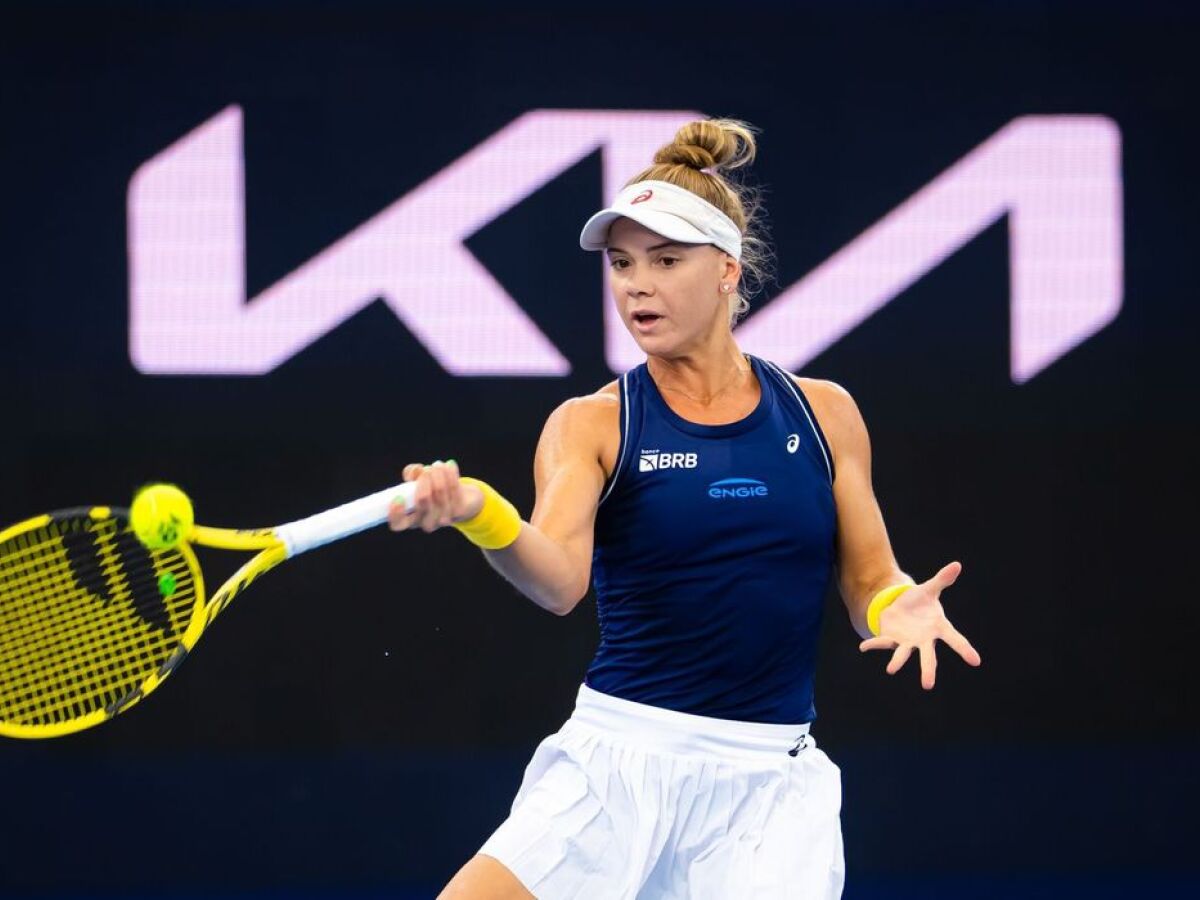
674, 212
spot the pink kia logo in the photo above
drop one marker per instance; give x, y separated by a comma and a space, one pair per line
1057, 180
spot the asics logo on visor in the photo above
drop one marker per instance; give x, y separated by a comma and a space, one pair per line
642, 197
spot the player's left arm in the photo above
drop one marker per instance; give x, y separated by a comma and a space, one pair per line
866, 563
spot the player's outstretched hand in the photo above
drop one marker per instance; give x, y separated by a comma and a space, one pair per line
441, 498
916, 621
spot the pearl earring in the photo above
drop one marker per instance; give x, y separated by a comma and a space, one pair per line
725, 288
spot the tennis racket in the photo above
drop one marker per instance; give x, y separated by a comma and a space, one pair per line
91, 621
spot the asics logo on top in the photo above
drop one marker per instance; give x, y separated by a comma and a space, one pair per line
737, 489
793, 442
642, 197
652, 461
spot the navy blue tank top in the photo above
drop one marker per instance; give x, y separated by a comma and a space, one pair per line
714, 548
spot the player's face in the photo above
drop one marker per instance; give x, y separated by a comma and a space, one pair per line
669, 295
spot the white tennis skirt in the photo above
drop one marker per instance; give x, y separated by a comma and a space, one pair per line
633, 802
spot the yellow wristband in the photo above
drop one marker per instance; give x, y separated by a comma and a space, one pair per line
497, 524
882, 601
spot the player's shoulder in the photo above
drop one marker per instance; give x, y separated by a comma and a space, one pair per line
820, 390
586, 426
833, 406
590, 412
603, 401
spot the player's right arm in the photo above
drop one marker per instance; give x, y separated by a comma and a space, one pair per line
550, 561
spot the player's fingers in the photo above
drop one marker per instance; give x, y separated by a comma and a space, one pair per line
437, 483
899, 658
876, 643
399, 517
423, 490
421, 500
928, 666
430, 518
427, 510
400, 512
454, 493
947, 575
441, 498
444, 492
960, 645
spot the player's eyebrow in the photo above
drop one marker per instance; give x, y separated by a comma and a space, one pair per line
648, 249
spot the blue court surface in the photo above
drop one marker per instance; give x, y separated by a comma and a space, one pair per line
976, 887
318, 828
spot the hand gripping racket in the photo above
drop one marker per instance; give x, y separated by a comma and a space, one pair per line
91, 620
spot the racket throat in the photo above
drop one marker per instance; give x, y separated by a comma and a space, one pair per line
169, 665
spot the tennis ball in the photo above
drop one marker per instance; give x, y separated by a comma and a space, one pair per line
161, 516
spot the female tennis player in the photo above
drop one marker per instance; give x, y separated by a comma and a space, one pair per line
710, 496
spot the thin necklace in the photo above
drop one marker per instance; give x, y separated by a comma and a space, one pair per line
728, 384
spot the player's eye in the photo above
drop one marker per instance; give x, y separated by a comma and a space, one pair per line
619, 263
668, 261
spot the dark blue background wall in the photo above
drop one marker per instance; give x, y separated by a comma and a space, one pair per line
359, 721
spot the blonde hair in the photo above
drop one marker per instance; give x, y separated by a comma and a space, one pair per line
695, 161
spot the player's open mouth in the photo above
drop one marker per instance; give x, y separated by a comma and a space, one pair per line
645, 319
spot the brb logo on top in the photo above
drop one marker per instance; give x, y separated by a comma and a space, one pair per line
653, 460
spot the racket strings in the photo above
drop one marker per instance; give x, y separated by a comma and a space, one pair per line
39, 585
39, 582
86, 615
36, 590
62, 668
119, 570
72, 647
40, 566
79, 663
53, 627
105, 663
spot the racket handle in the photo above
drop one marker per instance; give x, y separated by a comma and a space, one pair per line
343, 521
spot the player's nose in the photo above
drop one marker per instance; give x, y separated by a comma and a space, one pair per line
639, 285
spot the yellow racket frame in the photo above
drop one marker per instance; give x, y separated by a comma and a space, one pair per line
274, 545
204, 610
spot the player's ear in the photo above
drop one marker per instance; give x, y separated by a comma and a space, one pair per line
731, 270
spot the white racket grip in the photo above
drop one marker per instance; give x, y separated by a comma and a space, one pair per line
342, 521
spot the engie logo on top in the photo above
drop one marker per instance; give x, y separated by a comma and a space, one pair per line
652, 461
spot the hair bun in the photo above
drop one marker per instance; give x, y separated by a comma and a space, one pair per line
710, 144
691, 155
